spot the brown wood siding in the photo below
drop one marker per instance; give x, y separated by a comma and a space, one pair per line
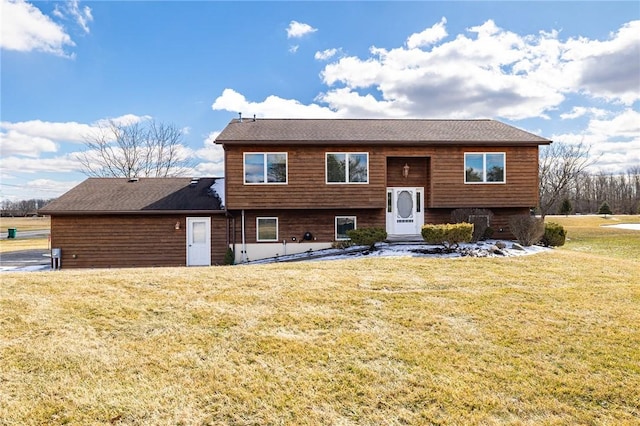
442, 176
295, 223
520, 189
307, 187
417, 171
129, 240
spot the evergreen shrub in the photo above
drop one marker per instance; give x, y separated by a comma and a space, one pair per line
449, 234
229, 257
367, 236
554, 235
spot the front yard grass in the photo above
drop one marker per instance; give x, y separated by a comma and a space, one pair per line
552, 338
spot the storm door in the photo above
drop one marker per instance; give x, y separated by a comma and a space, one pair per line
404, 211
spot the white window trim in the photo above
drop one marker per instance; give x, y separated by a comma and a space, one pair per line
258, 229
346, 171
355, 226
244, 168
484, 168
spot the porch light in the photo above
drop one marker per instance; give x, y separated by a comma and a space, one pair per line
177, 225
405, 171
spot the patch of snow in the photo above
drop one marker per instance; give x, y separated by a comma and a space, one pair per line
480, 249
31, 268
218, 187
634, 226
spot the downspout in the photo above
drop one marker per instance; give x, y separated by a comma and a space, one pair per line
244, 241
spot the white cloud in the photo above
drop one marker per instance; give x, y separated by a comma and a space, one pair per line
615, 142
294, 48
123, 120
81, 15
429, 36
326, 54
14, 164
579, 111
272, 107
607, 69
36, 133
15, 143
67, 132
25, 28
298, 29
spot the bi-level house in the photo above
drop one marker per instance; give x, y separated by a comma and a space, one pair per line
294, 185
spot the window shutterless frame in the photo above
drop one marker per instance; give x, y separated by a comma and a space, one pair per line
266, 229
265, 168
343, 224
347, 168
485, 167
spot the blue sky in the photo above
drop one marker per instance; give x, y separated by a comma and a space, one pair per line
569, 71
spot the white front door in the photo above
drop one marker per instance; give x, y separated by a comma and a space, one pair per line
405, 211
198, 241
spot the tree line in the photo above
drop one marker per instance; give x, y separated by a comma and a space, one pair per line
22, 208
566, 186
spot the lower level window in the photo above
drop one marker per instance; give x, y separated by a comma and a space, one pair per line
344, 224
267, 229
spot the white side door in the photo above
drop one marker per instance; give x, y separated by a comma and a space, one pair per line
198, 241
404, 211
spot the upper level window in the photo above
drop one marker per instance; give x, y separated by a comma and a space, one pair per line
347, 167
484, 167
265, 167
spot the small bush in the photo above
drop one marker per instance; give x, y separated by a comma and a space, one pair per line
480, 218
229, 257
526, 228
367, 236
449, 235
554, 235
488, 233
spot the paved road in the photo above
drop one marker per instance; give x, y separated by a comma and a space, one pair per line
26, 234
25, 260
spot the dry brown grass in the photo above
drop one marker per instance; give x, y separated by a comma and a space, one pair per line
24, 224
548, 339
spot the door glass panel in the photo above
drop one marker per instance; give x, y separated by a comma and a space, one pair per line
198, 233
405, 204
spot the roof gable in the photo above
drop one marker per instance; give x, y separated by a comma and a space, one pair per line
121, 195
382, 131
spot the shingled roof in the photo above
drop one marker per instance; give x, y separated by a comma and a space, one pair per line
375, 131
144, 195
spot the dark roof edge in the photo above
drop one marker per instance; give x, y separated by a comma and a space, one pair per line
542, 141
45, 212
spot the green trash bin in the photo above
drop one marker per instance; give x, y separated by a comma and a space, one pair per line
12, 232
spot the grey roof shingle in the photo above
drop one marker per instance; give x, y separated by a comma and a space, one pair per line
379, 131
147, 195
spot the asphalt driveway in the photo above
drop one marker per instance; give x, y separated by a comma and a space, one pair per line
25, 260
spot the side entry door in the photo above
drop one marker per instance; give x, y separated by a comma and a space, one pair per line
198, 241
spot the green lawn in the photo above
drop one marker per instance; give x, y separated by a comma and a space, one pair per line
552, 338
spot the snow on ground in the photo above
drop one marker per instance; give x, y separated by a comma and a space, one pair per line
634, 226
481, 249
32, 268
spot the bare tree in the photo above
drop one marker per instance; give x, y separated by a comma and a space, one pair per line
559, 167
146, 149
